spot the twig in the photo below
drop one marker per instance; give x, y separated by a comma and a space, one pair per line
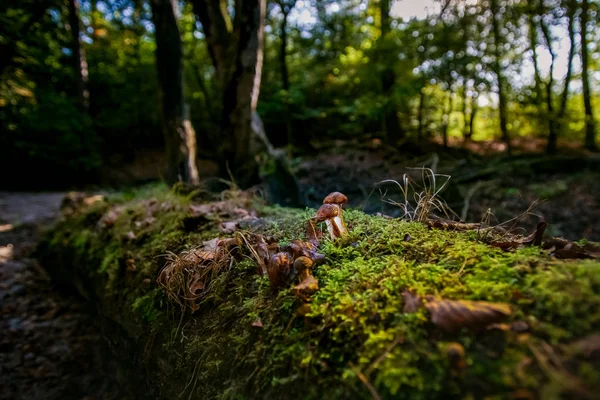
365, 381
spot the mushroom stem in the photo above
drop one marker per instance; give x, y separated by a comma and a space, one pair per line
339, 221
333, 228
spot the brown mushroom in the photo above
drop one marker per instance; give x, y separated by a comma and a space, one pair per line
298, 248
329, 213
280, 270
306, 288
303, 266
338, 199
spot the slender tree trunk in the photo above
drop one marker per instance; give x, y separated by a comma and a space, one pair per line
79, 60
590, 128
499, 75
180, 138
571, 7
536, 68
552, 126
448, 106
465, 113
285, 78
393, 129
474, 109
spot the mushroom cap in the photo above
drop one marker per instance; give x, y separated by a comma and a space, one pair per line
327, 211
303, 263
335, 198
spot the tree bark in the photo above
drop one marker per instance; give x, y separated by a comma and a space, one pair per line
180, 138
552, 126
533, 43
590, 128
465, 114
474, 109
79, 60
571, 7
393, 129
448, 106
499, 75
285, 78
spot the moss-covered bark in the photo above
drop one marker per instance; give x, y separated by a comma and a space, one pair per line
356, 342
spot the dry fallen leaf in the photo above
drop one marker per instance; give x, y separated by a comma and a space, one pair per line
451, 315
534, 238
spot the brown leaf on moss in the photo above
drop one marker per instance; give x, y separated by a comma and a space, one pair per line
451, 315
534, 238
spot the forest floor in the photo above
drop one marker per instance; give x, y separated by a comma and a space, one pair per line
564, 194
51, 346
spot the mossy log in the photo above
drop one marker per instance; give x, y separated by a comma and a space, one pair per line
356, 340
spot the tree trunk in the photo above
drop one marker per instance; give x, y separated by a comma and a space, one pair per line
533, 42
237, 54
465, 114
552, 127
180, 138
590, 128
285, 78
79, 60
241, 95
448, 106
499, 75
474, 109
393, 129
571, 7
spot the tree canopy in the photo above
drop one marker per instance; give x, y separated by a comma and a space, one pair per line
76, 96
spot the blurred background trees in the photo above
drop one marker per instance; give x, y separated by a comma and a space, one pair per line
80, 92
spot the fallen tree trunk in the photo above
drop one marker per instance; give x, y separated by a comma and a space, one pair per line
378, 326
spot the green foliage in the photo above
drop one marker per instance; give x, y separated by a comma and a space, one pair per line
356, 321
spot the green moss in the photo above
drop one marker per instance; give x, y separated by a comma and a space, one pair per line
356, 322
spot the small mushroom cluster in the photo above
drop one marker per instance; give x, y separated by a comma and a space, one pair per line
331, 213
298, 259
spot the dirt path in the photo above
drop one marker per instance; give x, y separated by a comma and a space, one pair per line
51, 346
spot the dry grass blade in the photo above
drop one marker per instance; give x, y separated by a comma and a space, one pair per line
365, 381
186, 276
425, 200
